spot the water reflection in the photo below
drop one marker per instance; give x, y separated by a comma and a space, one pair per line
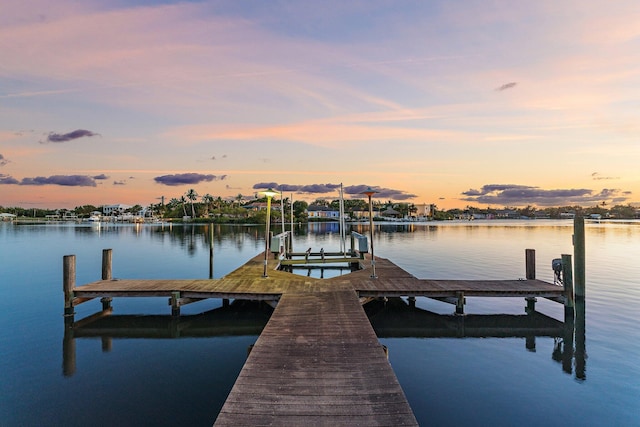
240, 318
570, 349
395, 318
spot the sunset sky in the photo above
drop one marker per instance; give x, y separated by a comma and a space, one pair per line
500, 103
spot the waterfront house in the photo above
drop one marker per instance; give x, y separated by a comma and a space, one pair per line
322, 212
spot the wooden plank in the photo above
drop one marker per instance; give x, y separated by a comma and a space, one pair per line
321, 347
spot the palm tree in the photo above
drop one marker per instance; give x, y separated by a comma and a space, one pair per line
183, 201
207, 199
192, 196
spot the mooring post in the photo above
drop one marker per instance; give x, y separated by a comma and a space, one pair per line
68, 283
107, 257
530, 264
211, 251
579, 257
107, 262
530, 274
567, 281
412, 302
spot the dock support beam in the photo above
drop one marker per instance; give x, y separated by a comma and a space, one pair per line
68, 283
174, 301
531, 305
460, 302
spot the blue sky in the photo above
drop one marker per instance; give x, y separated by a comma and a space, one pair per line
454, 103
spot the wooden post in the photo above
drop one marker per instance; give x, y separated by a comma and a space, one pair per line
175, 303
412, 302
106, 303
68, 283
579, 257
225, 302
211, 251
567, 281
106, 264
530, 264
460, 302
531, 305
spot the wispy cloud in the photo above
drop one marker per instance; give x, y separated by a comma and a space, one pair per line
7, 179
101, 177
3, 160
506, 86
597, 177
352, 190
63, 180
522, 195
187, 178
64, 137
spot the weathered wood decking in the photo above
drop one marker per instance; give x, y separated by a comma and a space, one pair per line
318, 360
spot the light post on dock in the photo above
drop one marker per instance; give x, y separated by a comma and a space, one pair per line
370, 192
269, 193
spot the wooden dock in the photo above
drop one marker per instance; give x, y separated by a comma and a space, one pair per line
318, 360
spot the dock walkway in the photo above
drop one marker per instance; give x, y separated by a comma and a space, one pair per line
318, 360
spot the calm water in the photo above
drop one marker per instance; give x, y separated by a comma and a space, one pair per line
154, 371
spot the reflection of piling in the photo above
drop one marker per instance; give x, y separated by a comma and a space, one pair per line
580, 336
68, 351
567, 340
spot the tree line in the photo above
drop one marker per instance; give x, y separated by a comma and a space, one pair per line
241, 209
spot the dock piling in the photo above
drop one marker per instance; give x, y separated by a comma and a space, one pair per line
174, 301
68, 283
107, 257
530, 264
579, 257
460, 302
567, 281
